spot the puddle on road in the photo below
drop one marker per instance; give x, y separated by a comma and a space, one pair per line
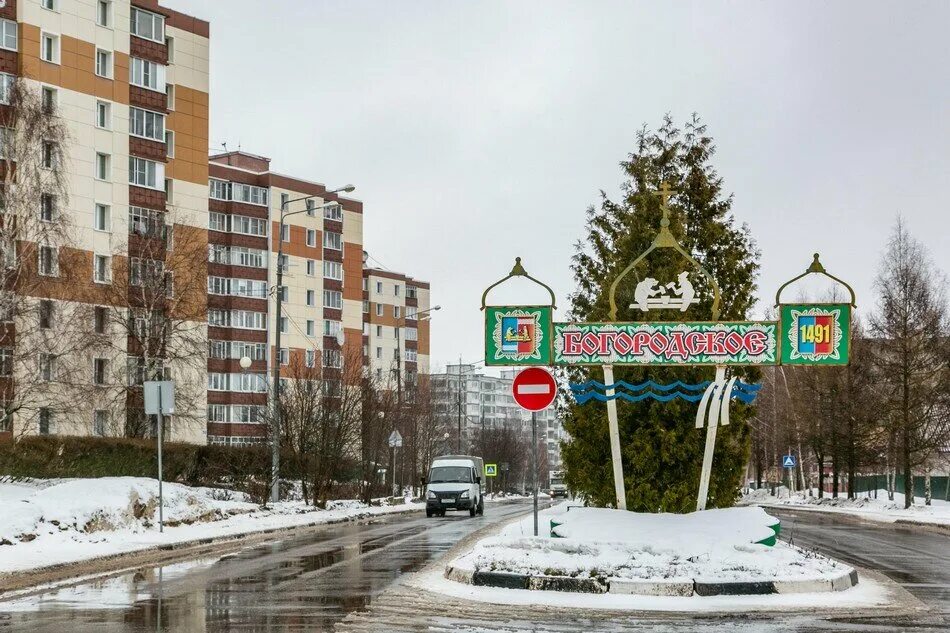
307, 583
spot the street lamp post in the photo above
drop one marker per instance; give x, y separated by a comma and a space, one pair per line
275, 447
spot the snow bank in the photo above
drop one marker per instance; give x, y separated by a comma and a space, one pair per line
709, 546
62, 521
878, 509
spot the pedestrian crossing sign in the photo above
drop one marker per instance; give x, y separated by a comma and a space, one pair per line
788, 461
491, 470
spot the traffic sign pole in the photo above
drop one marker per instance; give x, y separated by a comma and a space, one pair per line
534, 389
534, 466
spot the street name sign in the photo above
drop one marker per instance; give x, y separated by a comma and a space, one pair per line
534, 389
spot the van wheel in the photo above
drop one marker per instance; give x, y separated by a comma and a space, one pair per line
428, 514
481, 506
471, 511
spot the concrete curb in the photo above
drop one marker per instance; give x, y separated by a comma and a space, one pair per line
874, 518
505, 580
110, 564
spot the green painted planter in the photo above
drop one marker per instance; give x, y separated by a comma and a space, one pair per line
770, 541
554, 524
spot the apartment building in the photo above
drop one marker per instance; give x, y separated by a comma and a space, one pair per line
396, 313
487, 403
321, 323
127, 83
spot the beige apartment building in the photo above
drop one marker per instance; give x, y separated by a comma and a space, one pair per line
396, 312
123, 92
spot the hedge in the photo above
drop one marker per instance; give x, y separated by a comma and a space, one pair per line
52, 457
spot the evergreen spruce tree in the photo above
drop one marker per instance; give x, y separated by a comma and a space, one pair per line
662, 450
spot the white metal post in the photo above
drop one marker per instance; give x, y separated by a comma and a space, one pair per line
711, 428
161, 516
534, 466
614, 438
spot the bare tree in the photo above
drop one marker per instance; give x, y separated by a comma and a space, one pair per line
44, 336
911, 352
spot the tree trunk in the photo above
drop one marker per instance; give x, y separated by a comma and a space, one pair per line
927, 491
821, 477
908, 473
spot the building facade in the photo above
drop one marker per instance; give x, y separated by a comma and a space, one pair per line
396, 312
487, 403
322, 298
122, 94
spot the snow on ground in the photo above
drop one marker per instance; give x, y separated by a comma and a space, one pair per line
879, 509
49, 522
712, 546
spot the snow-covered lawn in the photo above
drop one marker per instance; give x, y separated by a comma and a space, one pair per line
879, 509
709, 546
49, 522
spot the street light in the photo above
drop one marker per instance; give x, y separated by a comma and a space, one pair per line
275, 448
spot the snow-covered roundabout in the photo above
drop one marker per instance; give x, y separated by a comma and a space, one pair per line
596, 550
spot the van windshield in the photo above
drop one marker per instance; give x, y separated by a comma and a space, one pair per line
451, 475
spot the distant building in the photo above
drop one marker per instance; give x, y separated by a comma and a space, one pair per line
487, 403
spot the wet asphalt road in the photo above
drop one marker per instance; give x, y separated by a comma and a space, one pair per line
299, 584
346, 579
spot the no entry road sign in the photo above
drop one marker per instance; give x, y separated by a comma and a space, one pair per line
534, 389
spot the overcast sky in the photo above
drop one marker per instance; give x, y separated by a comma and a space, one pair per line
477, 131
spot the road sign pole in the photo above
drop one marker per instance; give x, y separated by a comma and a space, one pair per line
534, 466
615, 457
711, 429
161, 516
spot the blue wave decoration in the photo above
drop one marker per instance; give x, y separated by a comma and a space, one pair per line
594, 390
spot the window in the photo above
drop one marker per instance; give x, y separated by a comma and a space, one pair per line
332, 358
103, 115
170, 47
333, 212
332, 299
284, 293
104, 12
102, 166
379, 309
169, 144
48, 157
284, 199
219, 189
49, 48
46, 421
104, 63
412, 334
284, 356
311, 267
235, 256
237, 287
6, 87
379, 330
170, 97
396, 353
310, 358
146, 74
311, 209
283, 325
219, 222
47, 367
332, 328
249, 226
49, 261
8, 35
379, 352
100, 422
47, 207
379, 286
311, 298
365, 284
100, 370
285, 233
283, 263
410, 292
102, 217
311, 237
101, 269
411, 312
147, 272
365, 307
46, 314
6, 361
332, 270
147, 124
396, 290
332, 240
49, 4
148, 25
411, 355
396, 311
146, 173
249, 194
311, 325
146, 222
99, 317
49, 98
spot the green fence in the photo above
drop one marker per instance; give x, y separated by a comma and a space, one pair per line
869, 483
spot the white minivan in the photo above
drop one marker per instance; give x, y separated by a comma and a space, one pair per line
455, 483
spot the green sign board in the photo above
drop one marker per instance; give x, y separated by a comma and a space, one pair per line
491, 470
722, 343
815, 334
518, 335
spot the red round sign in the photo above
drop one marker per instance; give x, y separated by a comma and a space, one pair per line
534, 389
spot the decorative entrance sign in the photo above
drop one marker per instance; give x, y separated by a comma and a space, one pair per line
817, 334
724, 343
518, 335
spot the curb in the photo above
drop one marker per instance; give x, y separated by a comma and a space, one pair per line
109, 564
853, 515
505, 580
